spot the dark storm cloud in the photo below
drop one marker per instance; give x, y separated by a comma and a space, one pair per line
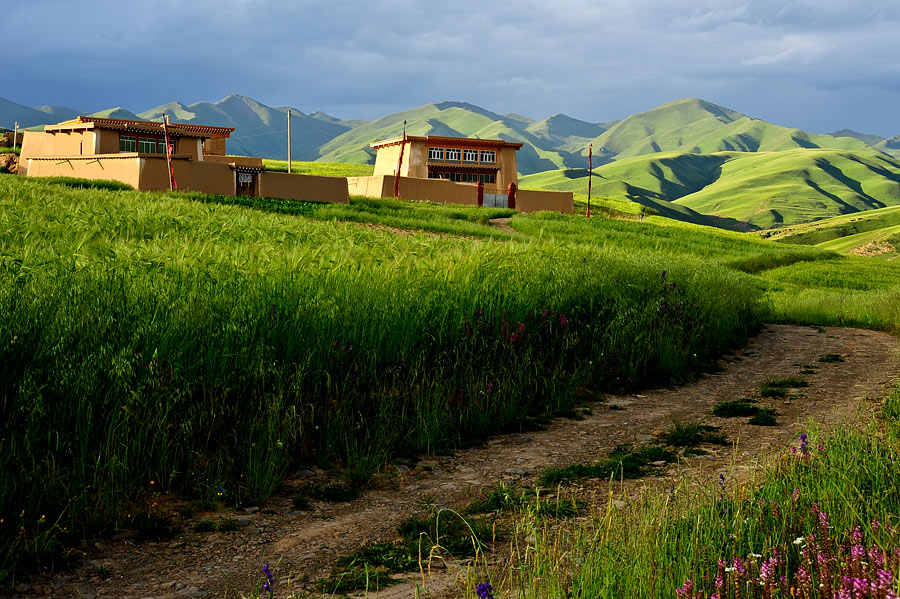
815, 64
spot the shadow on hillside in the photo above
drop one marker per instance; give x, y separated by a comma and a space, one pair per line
895, 177
853, 184
685, 214
692, 172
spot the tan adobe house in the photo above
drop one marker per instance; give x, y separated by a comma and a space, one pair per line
455, 170
134, 152
458, 159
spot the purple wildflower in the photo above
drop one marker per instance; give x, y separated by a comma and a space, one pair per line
687, 589
269, 585
485, 590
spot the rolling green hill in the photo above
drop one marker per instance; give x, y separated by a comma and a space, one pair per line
891, 145
762, 190
117, 113
873, 232
696, 126
882, 243
771, 189
866, 137
542, 139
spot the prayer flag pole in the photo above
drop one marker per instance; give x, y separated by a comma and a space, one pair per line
172, 183
590, 175
399, 164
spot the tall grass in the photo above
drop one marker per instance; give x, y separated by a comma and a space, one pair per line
152, 344
849, 291
387, 212
667, 237
827, 494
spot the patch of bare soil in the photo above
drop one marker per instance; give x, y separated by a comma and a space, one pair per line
874, 248
304, 545
502, 223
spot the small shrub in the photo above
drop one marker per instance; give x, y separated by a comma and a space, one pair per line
301, 503
779, 387
691, 434
622, 462
221, 525
735, 409
371, 567
831, 358
505, 498
204, 526
745, 407
151, 525
764, 417
227, 525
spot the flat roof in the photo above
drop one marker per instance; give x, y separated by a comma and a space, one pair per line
471, 142
183, 129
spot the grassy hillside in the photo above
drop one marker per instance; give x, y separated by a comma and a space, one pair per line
780, 188
890, 145
883, 243
865, 137
120, 113
744, 190
567, 133
696, 126
835, 228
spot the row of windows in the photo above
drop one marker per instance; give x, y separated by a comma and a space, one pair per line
144, 145
454, 154
464, 177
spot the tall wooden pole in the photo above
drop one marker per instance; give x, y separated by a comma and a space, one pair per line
172, 183
399, 164
590, 175
289, 140
15, 134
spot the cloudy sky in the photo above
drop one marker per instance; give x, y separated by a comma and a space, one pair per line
819, 65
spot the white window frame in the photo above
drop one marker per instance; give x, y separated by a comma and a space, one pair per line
127, 143
435, 153
454, 155
144, 142
488, 156
470, 156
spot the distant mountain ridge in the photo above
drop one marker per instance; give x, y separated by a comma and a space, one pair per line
557, 142
259, 130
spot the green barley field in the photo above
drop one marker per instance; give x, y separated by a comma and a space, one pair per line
207, 346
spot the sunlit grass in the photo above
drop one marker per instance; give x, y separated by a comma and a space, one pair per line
172, 343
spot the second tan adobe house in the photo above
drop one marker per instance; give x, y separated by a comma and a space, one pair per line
455, 170
134, 153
